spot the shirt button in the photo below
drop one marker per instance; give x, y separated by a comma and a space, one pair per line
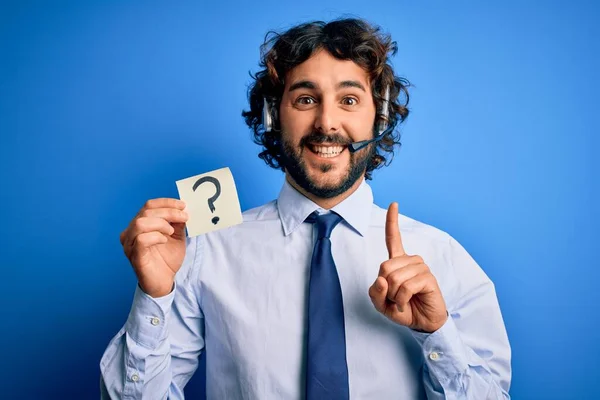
135, 377
434, 356
155, 321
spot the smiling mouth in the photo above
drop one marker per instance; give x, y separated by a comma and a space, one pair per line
326, 151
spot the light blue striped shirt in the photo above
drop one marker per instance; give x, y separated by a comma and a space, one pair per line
241, 295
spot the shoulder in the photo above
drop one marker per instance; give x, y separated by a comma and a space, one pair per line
455, 269
265, 212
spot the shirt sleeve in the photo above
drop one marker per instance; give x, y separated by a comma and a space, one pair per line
156, 352
469, 356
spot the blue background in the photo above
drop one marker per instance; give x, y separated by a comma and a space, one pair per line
106, 104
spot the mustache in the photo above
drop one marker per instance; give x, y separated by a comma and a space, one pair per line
320, 138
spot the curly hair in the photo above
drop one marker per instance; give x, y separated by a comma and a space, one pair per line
345, 39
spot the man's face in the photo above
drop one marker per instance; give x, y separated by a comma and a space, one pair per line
326, 104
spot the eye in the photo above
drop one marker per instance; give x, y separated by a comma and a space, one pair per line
349, 101
305, 100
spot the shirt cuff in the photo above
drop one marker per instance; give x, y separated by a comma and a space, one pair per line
147, 321
444, 351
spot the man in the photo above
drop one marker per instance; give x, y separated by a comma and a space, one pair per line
320, 294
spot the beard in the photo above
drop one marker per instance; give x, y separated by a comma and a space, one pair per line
291, 160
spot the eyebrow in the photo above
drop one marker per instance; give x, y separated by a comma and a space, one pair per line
352, 84
311, 85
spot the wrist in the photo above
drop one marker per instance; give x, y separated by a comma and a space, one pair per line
157, 292
433, 326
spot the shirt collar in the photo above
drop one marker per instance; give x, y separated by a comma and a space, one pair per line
294, 207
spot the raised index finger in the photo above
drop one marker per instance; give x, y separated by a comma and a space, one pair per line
393, 240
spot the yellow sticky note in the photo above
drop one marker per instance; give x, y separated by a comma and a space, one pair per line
211, 201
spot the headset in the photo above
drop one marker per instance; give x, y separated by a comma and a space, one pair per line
270, 117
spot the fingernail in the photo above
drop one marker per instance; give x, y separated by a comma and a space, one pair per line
378, 285
399, 307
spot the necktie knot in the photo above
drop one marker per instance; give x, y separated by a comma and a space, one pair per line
325, 223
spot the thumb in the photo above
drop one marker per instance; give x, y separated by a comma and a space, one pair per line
378, 293
179, 232
180, 227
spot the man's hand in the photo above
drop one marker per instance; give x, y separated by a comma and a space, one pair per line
405, 290
155, 242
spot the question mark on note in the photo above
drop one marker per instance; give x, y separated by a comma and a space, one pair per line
211, 200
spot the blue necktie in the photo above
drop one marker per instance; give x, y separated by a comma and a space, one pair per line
327, 370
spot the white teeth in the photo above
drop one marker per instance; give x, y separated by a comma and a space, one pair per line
328, 151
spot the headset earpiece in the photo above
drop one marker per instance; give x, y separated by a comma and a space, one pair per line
384, 113
269, 116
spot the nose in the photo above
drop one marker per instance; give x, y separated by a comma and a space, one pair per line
327, 119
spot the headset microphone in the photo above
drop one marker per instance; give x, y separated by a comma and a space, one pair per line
355, 146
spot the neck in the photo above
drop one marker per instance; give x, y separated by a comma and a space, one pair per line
325, 203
